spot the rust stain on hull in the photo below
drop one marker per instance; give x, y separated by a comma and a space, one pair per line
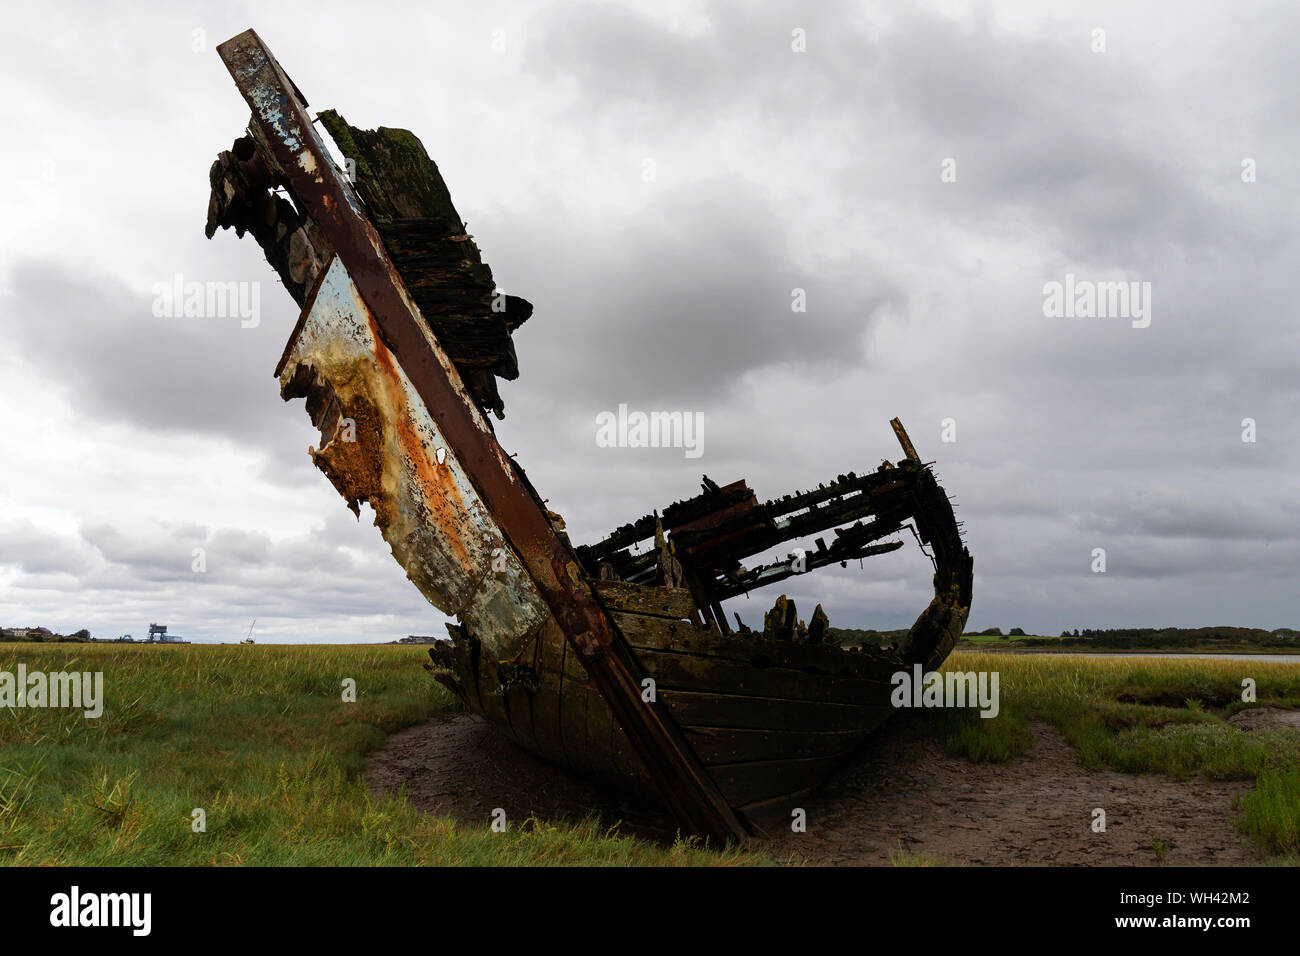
381, 447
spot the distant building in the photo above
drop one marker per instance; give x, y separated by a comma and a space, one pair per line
158, 635
38, 634
28, 633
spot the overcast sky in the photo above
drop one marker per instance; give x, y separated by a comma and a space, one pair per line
128, 440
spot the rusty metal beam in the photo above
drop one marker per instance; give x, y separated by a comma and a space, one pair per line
279, 111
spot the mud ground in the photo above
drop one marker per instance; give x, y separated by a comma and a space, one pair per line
900, 797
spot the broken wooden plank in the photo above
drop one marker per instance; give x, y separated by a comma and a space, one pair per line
675, 603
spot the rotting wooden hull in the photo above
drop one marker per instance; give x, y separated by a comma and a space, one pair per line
767, 729
615, 661
770, 720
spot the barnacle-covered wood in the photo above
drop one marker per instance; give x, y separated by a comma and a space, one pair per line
425, 237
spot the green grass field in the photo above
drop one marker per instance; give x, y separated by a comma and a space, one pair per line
260, 739
1147, 715
1170, 641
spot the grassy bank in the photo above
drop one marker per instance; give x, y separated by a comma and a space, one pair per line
1201, 640
1146, 716
259, 738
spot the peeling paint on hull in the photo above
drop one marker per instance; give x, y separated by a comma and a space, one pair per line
380, 446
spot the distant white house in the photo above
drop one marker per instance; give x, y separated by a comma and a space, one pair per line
41, 632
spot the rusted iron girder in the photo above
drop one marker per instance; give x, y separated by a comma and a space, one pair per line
279, 110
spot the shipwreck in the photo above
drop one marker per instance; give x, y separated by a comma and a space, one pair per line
614, 658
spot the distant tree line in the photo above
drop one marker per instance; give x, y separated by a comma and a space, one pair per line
997, 632
1169, 637
1118, 638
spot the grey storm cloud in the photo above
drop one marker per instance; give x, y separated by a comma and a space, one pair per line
33, 550
778, 170
642, 73
675, 305
120, 361
151, 572
1085, 150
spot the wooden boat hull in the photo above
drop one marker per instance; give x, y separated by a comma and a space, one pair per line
611, 659
770, 720
769, 723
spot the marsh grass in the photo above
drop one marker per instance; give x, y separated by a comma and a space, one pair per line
1145, 716
1271, 812
260, 739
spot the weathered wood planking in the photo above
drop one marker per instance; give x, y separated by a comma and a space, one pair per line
775, 810
547, 725
758, 715
719, 745
767, 726
666, 602
813, 660
680, 671
744, 783
694, 708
